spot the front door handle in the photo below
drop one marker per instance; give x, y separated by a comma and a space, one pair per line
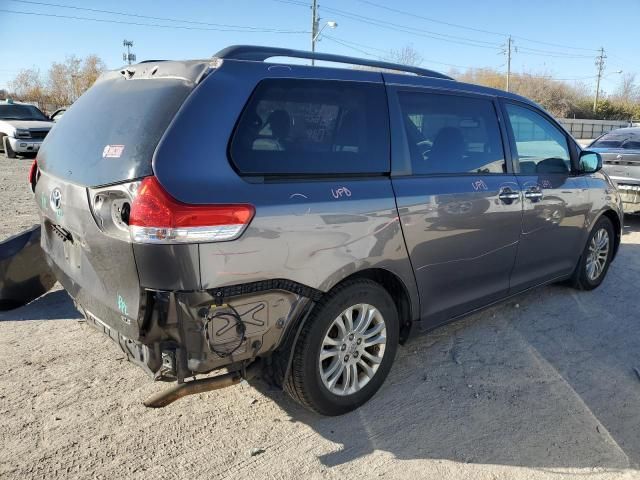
507, 195
533, 193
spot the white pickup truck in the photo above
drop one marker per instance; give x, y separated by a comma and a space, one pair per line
22, 128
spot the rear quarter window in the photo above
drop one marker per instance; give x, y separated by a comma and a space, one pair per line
313, 127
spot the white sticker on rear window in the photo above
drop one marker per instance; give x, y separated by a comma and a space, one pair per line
112, 151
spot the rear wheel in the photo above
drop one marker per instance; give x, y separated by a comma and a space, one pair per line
596, 257
8, 151
346, 349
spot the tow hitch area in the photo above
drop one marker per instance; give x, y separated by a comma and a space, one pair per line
24, 273
170, 395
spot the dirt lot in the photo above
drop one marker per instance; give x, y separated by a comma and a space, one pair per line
540, 387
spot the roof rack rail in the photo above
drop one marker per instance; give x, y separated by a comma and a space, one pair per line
260, 54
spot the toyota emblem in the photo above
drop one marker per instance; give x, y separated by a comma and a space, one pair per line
56, 199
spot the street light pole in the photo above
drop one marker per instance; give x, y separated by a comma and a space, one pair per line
314, 27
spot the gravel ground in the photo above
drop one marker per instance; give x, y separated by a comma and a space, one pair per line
540, 387
17, 208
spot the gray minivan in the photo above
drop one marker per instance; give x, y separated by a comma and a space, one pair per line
301, 221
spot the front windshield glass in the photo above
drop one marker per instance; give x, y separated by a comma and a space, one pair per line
21, 112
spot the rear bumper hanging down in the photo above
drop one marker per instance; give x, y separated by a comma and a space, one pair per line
24, 273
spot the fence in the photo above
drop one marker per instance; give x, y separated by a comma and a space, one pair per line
584, 129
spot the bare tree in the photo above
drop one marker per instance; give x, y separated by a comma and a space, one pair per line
407, 55
62, 81
628, 90
63, 84
28, 86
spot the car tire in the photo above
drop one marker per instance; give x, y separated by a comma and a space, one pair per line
355, 328
595, 259
8, 151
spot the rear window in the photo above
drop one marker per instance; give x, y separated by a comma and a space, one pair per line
320, 127
626, 140
110, 133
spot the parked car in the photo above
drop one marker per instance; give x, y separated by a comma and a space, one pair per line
22, 128
620, 151
233, 213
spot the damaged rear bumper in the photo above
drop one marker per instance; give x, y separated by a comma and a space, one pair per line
630, 195
183, 334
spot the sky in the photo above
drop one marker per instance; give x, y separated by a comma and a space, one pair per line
559, 38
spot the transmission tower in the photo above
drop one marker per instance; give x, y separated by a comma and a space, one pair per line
128, 56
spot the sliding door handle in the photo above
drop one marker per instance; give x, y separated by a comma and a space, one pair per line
534, 194
507, 195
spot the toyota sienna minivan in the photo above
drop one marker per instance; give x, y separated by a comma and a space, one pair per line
235, 214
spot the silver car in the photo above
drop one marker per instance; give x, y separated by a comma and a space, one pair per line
300, 222
620, 151
22, 128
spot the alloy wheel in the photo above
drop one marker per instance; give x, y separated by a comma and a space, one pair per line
598, 254
352, 349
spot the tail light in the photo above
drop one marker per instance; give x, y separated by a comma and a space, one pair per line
156, 217
33, 175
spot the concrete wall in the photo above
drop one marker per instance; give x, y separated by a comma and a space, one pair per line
582, 128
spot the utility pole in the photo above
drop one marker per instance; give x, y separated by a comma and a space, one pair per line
600, 66
314, 27
128, 57
509, 43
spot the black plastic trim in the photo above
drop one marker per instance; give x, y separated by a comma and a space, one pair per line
223, 293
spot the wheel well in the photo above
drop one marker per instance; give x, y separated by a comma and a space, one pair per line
611, 215
398, 291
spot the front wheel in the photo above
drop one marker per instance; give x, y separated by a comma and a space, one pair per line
596, 258
345, 349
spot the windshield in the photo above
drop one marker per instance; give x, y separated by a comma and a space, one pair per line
21, 112
628, 140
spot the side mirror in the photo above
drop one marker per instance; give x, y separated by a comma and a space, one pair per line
590, 162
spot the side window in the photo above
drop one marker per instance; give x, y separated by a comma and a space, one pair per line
452, 134
540, 146
292, 126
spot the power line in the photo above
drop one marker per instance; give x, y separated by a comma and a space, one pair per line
414, 31
293, 2
489, 32
446, 37
359, 47
156, 25
549, 53
356, 49
414, 15
365, 50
